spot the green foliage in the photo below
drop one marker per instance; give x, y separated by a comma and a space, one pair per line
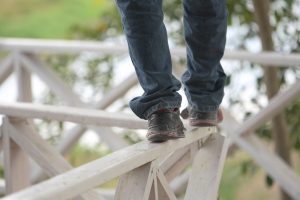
293, 118
131, 137
231, 179
47, 19
81, 154
248, 167
108, 25
99, 73
241, 12
265, 131
60, 64
269, 181
173, 15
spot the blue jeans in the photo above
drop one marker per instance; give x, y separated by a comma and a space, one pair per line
205, 25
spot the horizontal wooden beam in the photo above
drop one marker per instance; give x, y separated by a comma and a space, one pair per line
72, 114
74, 47
60, 46
97, 172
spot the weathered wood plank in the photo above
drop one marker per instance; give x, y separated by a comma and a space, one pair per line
99, 171
207, 169
72, 114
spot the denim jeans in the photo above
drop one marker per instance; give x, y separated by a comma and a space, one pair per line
205, 24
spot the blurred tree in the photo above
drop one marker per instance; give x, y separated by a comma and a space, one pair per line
272, 81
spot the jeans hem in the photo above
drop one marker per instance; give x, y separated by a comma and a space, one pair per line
205, 108
152, 109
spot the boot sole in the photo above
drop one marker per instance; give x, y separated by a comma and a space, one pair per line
164, 136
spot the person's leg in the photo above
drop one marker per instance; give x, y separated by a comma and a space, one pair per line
149, 51
205, 25
148, 46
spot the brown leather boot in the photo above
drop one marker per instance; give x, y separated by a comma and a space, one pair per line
165, 125
200, 119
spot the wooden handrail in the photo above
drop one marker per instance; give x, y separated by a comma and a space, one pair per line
74, 182
97, 172
72, 114
38, 46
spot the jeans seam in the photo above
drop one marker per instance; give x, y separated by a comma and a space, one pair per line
154, 108
210, 108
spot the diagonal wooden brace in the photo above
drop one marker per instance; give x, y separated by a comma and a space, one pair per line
137, 183
207, 169
47, 157
16, 163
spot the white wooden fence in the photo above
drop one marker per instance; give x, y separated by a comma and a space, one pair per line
146, 170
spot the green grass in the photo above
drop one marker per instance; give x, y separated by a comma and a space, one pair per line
48, 18
232, 178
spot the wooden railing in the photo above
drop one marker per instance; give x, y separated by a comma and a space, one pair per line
146, 171
137, 162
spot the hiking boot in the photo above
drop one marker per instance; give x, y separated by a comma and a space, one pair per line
200, 119
165, 125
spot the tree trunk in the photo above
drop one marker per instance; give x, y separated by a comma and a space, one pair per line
272, 81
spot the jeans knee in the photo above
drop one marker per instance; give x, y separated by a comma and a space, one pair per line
141, 17
204, 8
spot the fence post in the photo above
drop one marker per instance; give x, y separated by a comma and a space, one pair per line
207, 169
16, 163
